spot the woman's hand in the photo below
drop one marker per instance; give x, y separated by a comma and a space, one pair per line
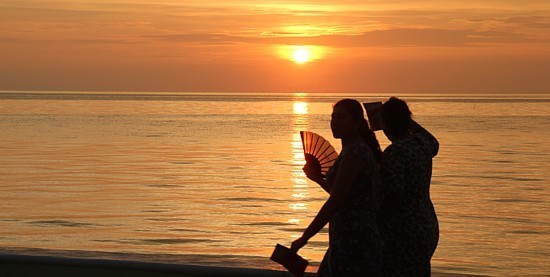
313, 174
297, 244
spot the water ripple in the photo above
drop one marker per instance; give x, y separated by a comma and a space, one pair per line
252, 199
63, 223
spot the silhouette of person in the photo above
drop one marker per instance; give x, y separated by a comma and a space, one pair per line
407, 218
353, 183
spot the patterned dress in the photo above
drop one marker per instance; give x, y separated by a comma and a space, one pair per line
408, 223
354, 239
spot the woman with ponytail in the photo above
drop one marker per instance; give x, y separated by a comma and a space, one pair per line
353, 183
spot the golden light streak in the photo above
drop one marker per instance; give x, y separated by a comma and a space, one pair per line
300, 107
300, 187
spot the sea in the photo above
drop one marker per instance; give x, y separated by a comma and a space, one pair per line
216, 178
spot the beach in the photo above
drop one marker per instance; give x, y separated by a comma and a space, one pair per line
21, 265
25, 265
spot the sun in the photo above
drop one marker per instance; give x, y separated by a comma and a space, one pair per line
301, 55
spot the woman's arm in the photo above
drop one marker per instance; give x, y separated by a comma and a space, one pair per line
416, 128
324, 184
349, 169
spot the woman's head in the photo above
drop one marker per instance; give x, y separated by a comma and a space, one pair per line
348, 121
396, 118
347, 116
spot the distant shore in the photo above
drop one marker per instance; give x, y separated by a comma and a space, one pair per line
29, 265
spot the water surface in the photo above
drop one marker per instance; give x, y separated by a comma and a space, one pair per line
216, 179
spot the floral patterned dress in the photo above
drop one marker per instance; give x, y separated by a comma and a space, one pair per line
408, 223
354, 239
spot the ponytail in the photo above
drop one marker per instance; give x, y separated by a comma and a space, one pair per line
356, 111
370, 138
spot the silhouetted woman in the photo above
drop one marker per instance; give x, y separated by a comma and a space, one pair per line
408, 223
353, 183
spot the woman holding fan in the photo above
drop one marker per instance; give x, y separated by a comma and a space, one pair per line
353, 183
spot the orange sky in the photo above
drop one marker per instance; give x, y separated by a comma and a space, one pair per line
436, 46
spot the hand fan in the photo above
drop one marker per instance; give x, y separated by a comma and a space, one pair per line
318, 152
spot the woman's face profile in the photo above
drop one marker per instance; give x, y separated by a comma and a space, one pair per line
341, 123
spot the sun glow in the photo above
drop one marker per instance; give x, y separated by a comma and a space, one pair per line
302, 54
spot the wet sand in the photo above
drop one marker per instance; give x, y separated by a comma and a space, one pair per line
27, 265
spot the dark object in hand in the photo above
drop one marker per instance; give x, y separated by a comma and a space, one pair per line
290, 260
373, 113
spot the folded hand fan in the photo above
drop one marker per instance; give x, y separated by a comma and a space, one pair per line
290, 260
318, 152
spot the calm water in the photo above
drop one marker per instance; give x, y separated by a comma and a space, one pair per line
216, 179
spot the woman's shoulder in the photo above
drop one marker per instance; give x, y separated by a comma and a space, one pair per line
357, 148
399, 149
396, 146
411, 147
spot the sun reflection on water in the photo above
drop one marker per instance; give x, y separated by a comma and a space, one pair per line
300, 108
300, 123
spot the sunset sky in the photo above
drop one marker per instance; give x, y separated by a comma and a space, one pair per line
434, 46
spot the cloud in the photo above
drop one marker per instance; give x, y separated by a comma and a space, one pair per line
426, 37
389, 38
536, 22
239, 20
348, 24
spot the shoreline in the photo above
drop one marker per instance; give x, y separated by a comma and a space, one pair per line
33, 265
